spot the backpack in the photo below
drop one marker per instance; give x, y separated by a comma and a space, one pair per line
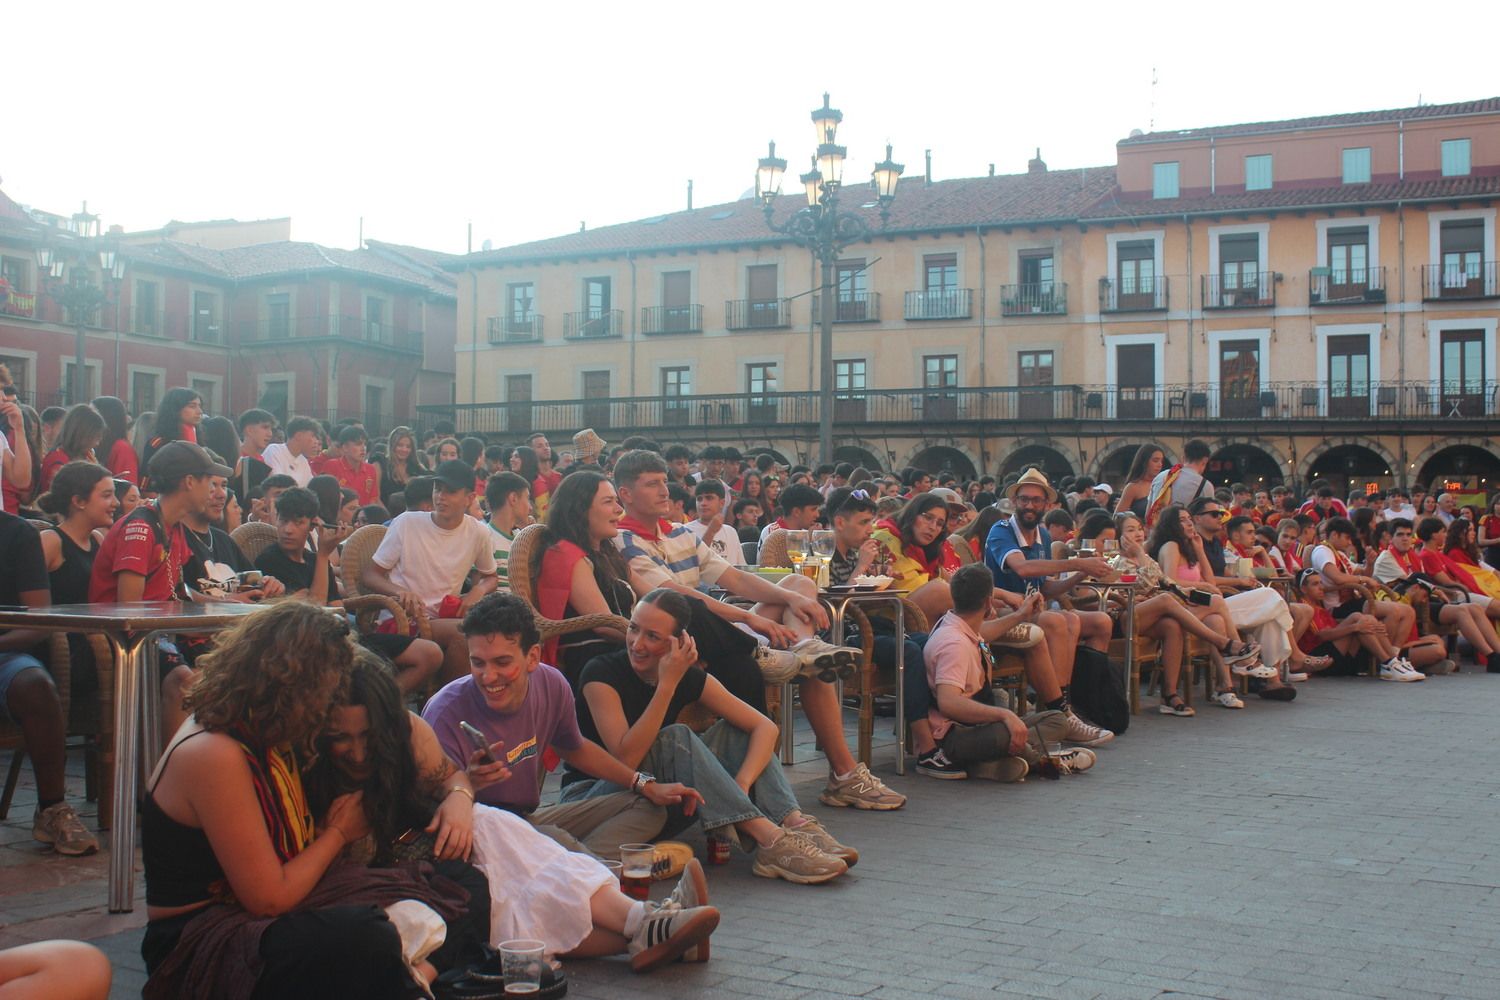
1098, 692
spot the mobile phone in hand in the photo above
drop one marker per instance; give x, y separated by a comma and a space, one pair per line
476, 738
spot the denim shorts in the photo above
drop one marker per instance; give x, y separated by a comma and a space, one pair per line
12, 664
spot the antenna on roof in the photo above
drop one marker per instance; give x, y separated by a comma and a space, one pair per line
1151, 119
361, 244
927, 181
469, 243
690, 194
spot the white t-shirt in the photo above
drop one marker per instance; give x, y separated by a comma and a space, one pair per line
1391, 513
283, 463
431, 562
1323, 557
4, 451
726, 542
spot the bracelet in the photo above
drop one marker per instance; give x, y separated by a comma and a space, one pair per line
460, 788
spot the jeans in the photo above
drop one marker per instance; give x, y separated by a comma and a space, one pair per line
708, 764
972, 744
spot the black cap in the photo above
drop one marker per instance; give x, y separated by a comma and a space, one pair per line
176, 459
455, 475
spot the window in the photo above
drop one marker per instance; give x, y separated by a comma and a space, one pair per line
1034, 369
206, 318
760, 383
852, 299
16, 299
147, 305
208, 391
278, 316
848, 377
276, 397
596, 396
1037, 268
940, 272
1137, 274
1455, 157
940, 371
1462, 245
20, 373
940, 298
676, 386
1349, 376
518, 403
1164, 180
1258, 172
375, 328
1239, 261
1348, 259
677, 303
15, 273
145, 390
1357, 165
520, 300
1462, 362
762, 305
596, 297
1239, 378
375, 412
1136, 381
91, 376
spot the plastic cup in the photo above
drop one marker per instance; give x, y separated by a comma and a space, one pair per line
635, 870
521, 962
616, 868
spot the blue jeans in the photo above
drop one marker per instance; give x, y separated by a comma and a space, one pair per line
708, 764
12, 665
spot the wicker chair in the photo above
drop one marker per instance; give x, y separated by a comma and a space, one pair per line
253, 538
961, 549
523, 551
366, 607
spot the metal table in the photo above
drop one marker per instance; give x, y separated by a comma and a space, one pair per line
130, 630
1103, 589
837, 601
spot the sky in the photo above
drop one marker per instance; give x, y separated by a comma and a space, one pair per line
529, 120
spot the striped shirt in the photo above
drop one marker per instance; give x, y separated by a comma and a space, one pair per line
676, 556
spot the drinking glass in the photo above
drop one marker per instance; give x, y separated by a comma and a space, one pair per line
521, 962
796, 548
822, 545
635, 869
1109, 548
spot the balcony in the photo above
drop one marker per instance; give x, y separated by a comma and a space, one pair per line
350, 329
950, 303
515, 329
1240, 291
1475, 280
757, 314
14, 303
657, 320
1328, 286
856, 307
1045, 298
1146, 295
148, 322
593, 324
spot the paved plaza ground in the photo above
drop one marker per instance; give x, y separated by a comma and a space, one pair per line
1342, 846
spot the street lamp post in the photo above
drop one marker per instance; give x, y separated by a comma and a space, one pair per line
825, 229
79, 295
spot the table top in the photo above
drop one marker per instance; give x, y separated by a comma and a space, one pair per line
137, 616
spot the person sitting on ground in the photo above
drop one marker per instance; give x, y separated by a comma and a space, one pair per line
1349, 642
55, 970
799, 506
631, 702
974, 732
425, 558
787, 614
508, 498
243, 893
709, 525
1343, 583
372, 745
524, 707
82, 431
1400, 569
580, 571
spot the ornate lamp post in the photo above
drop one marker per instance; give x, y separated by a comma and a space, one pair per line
79, 295
825, 229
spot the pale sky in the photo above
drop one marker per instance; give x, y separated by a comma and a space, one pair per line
528, 119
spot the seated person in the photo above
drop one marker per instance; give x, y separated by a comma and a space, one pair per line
243, 895
1402, 568
305, 573
349, 466
788, 614
708, 496
524, 707
1443, 568
263, 503
915, 544
747, 513
972, 729
426, 558
1340, 577
800, 505
55, 970
508, 498
1061, 529
374, 746
214, 560
1350, 642
631, 701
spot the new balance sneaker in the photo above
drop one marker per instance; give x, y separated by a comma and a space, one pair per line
1075, 760
824, 661
1085, 733
823, 841
691, 891
796, 858
60, 826
777, 666
935, 764
1227, 699
668, 932
862, 790
1398, 670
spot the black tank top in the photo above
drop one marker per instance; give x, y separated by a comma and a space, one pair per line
70, 581
179, 861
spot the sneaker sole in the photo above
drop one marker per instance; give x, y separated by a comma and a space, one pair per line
669, 860
1168, 710
829, 667
942, 775
693, 871
840, 803
770, 871
1242, 657
64, 849
693, 932
1097, 742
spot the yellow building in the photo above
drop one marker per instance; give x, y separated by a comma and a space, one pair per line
1312, 297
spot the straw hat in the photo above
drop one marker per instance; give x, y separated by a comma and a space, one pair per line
1032, 477
588, 445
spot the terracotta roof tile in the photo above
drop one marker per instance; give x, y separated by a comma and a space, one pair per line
1294, 198
266, 260
1485, 106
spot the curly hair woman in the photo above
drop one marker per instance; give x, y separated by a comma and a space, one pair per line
243, 894
373, 746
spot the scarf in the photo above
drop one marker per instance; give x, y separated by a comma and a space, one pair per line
278, 791
651, 531
1405, 562
1163, 497
946, 558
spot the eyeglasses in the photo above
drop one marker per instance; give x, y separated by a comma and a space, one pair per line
1030, 501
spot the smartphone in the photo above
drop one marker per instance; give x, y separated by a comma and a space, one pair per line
477, 740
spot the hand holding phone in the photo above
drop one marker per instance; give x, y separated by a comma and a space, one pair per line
479, 743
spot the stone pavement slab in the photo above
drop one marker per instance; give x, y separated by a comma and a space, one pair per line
1338, 847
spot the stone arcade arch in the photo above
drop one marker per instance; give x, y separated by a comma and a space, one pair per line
944, 458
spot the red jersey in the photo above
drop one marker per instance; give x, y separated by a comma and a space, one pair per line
1322, 619
363, 478
139, 543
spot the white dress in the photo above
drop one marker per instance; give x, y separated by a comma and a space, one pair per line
538, 888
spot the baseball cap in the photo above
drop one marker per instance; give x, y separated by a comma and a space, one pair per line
950, 497
176, 459
455, 475
1104, 488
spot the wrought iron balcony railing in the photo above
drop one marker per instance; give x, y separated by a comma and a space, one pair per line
1042, 298
671, 319
1255, 290
1137, 295
949, 303
1337, 286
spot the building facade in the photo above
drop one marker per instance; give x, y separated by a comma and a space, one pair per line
291, 327
1313, 297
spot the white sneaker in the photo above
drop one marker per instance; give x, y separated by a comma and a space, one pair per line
1296, 676
1397, 669
1227, 699
777, 666
1085, 733
1075, 760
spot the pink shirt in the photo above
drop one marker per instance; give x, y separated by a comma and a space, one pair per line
952, 657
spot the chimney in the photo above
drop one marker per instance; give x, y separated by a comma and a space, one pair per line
690, 196
992, 170
927, 180
1036, 165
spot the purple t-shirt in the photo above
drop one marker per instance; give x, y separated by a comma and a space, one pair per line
546, 718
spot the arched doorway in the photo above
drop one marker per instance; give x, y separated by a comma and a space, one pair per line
857, 456
1474, 469
751, 451
940, 458
1245, 463
1113, 466
1349, 467
1050, 461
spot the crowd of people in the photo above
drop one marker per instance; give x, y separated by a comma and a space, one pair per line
343, 812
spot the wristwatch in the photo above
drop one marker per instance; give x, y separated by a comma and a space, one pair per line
641, 780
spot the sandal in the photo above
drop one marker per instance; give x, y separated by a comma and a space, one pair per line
1176, 706
1238, 652
1316, 664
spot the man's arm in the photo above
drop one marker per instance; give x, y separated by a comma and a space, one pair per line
17, 466
377, 580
